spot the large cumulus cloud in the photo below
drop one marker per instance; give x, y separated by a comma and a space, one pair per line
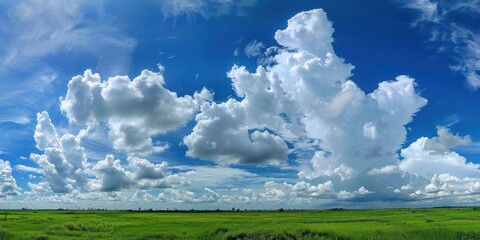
135, 110
64, 160
307, 104
66, 169
430, 156
111, 175
8, 184
307, 94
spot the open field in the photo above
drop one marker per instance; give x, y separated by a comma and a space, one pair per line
437, 223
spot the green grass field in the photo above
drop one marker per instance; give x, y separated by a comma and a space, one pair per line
438, 223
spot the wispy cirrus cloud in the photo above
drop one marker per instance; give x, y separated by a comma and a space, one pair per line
23, 168
203, 8
35, 33
453, 24
42, 28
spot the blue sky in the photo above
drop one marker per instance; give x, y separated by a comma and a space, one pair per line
248, 103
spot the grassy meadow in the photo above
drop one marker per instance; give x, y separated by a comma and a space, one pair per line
435, 223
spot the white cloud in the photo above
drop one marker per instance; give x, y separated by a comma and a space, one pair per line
135, 110
23, 168
325, 190
254, 48
41, 198
430, 156
248, 197
112, 176
65, 168
8, 184
38, 188
370, 131
150, 175
236, 52
204, 8
223, 139
273, 192
64, 161
37, 22
445, 141
389, 169
455, 34
42, 28
324, 164
185, 196
308, 31
362, 190
28, 92
335, 110
286, 194
307, 94
221, 134
34, 34
304, 193
201, 176
148, 170
15, 119
45, 133
183, 7
443, 186
298, 194
428, 10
